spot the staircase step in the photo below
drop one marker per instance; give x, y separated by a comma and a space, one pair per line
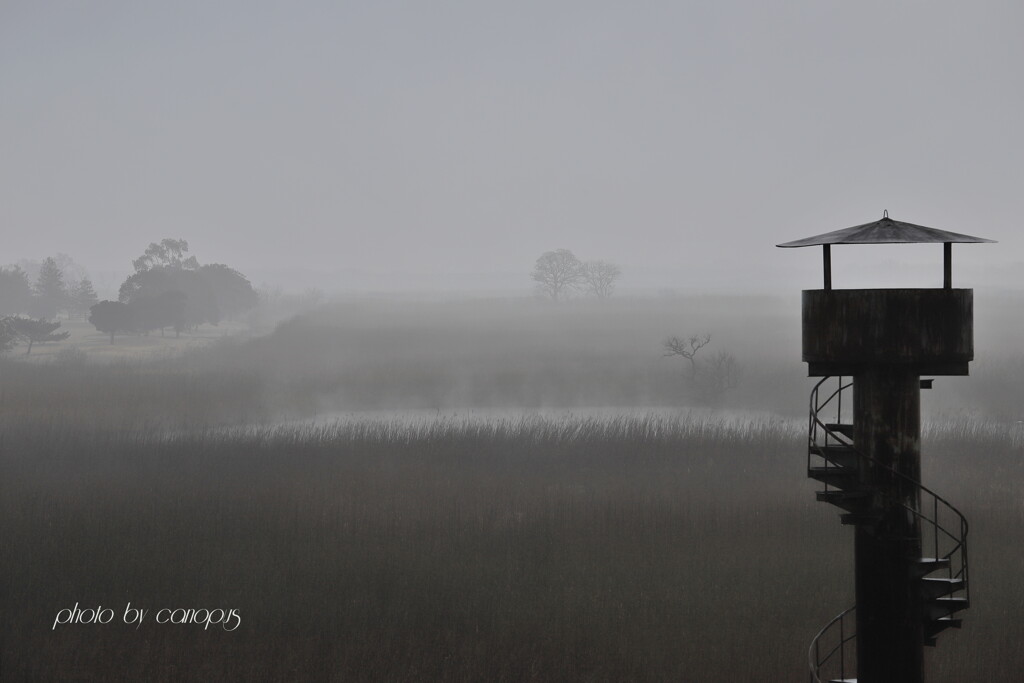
859, 502
844, 478
855, 518
937, 626
936, 587
926, 565
840, 428
944, 607
843, 456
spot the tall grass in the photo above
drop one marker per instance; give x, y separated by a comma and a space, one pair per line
130, 394
644, 549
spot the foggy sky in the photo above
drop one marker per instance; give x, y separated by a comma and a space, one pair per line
681, 140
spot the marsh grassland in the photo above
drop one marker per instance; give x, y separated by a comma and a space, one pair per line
530, 547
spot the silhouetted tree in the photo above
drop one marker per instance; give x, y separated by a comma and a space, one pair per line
557, 273
211, 292
232, 290
51, 293
711, 379
111, 317
164, 310
200, 300
36, 331
600, 277
15, 291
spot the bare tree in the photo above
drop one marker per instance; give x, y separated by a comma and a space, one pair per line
713, 377
687, 348
557, 273
600, 277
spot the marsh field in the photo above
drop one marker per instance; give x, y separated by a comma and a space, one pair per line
469, 490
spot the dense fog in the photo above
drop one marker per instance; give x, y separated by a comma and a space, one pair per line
450, 341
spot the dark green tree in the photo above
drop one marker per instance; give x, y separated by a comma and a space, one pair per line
232, 290
111, 317
159, 312
212, 292
37, 331
200, 300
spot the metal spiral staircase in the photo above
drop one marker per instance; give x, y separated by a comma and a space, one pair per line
834, 460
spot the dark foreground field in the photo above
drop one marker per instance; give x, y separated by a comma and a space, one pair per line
526, 549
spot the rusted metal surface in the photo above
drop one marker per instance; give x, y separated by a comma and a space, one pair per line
887, 231
927, 330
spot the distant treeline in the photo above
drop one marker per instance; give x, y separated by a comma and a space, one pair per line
49, 295
169, 289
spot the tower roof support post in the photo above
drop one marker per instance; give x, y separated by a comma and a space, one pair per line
826, 255
947, 265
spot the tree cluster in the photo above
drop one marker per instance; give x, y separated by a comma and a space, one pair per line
559, 273
170, 289
50, 294
210, 293
141, 316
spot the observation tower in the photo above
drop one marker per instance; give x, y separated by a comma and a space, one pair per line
910, 544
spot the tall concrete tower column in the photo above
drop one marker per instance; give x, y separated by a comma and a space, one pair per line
887, 429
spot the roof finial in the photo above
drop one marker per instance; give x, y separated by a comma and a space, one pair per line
885, 213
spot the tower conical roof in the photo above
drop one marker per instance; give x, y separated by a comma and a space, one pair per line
886, 231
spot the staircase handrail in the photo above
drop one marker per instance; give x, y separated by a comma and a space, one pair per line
959, 541
814, 656
815, 659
